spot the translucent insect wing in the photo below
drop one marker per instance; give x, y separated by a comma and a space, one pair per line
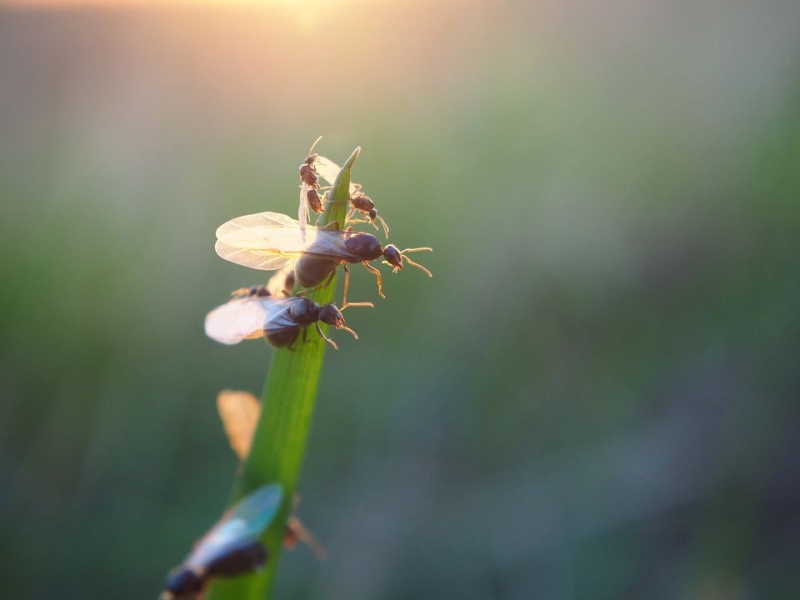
263, 260
256, 221
329, 171
241, 525
270, 241
244, 318
247, 240
302, 212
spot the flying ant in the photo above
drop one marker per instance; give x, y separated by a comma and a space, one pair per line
359, 201
278, 320
309, 186
269, 241
232, 547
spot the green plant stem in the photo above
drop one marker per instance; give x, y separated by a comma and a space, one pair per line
287, 404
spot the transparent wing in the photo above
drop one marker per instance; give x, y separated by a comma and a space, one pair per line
329, 171
269, 241
302, 211
239, 412
246, 318
263, 260
240, 525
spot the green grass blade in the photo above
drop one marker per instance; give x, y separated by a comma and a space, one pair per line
287, 403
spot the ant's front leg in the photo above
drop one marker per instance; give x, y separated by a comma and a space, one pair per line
326, 338
377, 274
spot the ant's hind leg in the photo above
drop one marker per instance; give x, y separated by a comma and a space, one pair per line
345, 303
346, 285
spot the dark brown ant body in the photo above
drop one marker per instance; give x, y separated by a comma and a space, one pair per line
310, 179
308, 174
256, 313
283, 332
232, 547
186, 583
270, 241
314, 266
359, 201
314, 200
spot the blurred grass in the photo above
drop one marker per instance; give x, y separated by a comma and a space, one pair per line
594, 397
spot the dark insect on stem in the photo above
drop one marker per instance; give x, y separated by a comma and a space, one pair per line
270, 241
317, 266
309, 186
230, 548
362, 203
278, 320
359, 201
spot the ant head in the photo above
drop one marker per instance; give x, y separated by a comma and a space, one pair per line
182, 582
373, 214
394, 257
365, 245
331, 315
311, 159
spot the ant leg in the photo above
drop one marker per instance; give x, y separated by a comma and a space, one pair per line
297, 532
372, 222
346, 285
345, 303
305, 336
326, 338
377, 274
384, 225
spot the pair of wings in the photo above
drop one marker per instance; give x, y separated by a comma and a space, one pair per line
249, 318
269, 241
241, 525
328, 171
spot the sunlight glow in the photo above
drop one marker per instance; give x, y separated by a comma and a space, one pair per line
166, 3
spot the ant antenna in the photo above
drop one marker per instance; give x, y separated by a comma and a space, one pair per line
405, 258
316, 141
348, 330
384, 225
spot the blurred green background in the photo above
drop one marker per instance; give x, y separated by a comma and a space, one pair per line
596, 396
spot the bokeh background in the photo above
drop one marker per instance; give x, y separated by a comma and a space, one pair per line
596, 396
